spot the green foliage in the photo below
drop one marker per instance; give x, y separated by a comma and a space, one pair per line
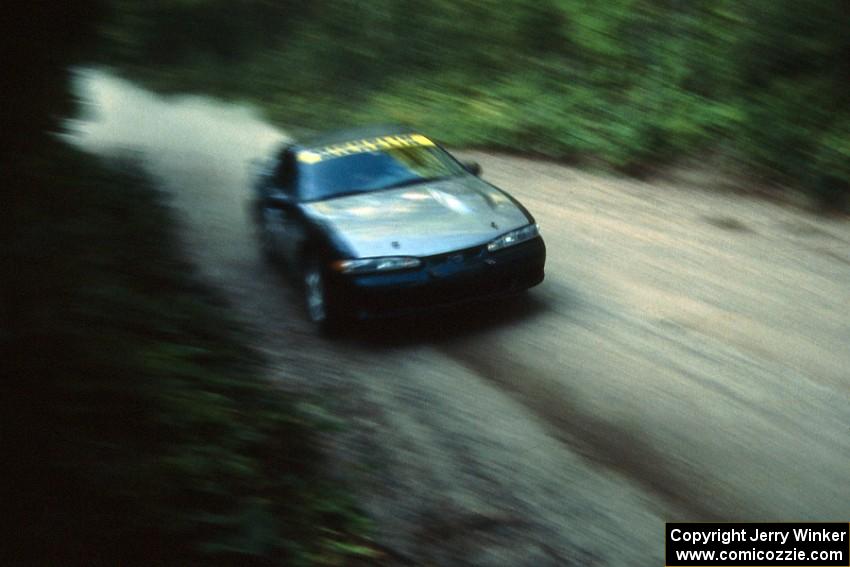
40, 40
631, 82
141, 428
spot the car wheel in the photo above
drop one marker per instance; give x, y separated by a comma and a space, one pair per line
316, 297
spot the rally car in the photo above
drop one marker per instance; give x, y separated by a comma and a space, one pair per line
383, 221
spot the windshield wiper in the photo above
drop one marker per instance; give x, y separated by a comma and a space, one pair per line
344, 194
415, 181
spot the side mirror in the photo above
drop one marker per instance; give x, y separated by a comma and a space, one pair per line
472, 167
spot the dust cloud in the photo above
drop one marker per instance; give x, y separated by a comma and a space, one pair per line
119, 116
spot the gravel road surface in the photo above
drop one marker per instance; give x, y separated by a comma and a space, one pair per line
687, 357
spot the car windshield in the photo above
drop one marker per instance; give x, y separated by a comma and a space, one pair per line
327, 177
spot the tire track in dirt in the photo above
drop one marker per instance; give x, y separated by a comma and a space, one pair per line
619, 447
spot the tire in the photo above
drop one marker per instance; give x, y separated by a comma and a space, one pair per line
317, 301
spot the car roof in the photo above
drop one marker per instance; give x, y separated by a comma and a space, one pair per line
350, 134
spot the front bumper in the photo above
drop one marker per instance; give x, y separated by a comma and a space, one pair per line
443, 280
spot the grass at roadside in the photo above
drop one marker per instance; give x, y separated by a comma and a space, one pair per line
141, 426
757, 89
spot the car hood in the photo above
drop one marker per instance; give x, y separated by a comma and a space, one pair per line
420, 220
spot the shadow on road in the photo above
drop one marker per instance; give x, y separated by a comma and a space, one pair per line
446, 324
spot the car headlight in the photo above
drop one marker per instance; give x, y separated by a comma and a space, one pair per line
514, 237
367, 265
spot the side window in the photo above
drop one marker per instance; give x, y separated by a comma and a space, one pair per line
284, 174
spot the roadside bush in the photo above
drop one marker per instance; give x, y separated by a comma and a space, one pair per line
631, 84
139, 426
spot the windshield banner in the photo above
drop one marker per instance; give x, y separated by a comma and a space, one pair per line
381, 143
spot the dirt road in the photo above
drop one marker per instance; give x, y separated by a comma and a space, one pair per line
687, 357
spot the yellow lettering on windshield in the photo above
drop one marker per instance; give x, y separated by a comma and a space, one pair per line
309, 157
421, 140
315, 155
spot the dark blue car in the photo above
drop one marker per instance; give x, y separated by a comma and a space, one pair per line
383, 221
